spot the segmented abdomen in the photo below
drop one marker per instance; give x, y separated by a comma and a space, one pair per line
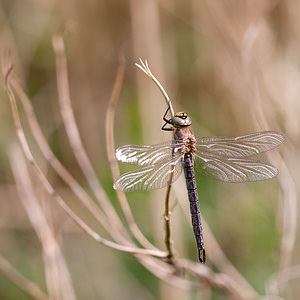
194, 204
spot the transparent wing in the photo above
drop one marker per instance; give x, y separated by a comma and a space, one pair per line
240, 146
148, 155
151, 177
234, 169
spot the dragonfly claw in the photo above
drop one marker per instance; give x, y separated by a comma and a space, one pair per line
202, 256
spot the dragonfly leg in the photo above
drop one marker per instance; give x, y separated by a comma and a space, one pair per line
167, 122
167, 128
164, 117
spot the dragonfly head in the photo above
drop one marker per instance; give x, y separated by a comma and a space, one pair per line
181, 119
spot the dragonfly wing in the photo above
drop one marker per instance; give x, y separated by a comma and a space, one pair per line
151, 177
234, 169
240, 146
148, 155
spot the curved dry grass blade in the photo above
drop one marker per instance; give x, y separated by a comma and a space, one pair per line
48, 187
219, 281
58, 167
168, 240
110, 149
22, 282
58, 278
73, 133
167, 219
279, 281
145, 68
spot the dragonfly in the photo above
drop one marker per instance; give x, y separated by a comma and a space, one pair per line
222, 158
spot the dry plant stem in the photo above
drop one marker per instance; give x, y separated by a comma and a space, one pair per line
58, 278
110, 149
145, 68
168, 240
290, 215
207, 278
73, 133
219, 281
22, 282
167, 273
282, 279
56, 164
48, 187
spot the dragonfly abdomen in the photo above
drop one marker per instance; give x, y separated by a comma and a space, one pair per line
194, 204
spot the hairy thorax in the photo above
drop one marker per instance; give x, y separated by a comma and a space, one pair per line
185, 135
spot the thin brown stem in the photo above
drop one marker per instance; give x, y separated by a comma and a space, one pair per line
220, 281
22, 282
145, 68
110, 149
64, 174
168, 239
58, 277
51, 191
74, 136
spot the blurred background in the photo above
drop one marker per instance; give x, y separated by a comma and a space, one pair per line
232, 65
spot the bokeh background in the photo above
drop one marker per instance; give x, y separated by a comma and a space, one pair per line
232, 65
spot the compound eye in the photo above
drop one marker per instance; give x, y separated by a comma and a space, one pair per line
181, 119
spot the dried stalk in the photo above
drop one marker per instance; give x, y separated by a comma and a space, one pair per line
168, 239
56, 164
48, 187
57, 274
279, 281
110, 149
22, 282
74, 136
167, 218
145, 68
220, 281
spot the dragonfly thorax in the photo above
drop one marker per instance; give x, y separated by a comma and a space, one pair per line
189, 145
181, 119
